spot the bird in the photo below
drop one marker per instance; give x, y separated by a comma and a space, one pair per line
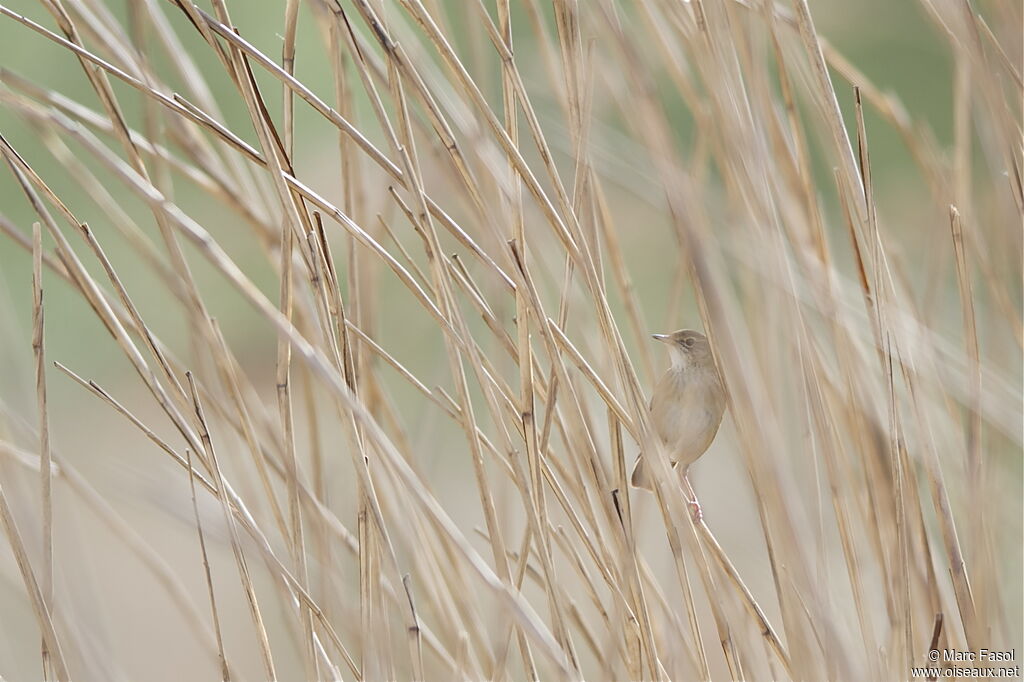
686, 408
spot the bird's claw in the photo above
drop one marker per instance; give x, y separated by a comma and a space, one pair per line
698, 513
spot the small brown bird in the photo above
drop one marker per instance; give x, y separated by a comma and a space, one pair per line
686, 408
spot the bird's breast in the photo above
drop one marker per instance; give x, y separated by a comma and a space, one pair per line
686, 411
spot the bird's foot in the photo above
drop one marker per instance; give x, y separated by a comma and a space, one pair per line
698, 513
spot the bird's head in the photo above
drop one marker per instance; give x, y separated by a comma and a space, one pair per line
686, 347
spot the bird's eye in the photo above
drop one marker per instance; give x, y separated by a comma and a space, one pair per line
688, 342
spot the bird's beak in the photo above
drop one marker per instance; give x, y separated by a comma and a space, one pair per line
660, 337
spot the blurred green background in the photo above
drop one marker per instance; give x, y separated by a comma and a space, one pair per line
893, 43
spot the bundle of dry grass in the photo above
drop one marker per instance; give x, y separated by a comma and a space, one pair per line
412, 460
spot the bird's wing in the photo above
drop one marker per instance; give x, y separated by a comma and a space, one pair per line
641, 478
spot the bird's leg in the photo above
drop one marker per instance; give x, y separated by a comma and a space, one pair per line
698, 514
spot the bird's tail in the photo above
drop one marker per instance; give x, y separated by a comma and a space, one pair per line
641, 476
